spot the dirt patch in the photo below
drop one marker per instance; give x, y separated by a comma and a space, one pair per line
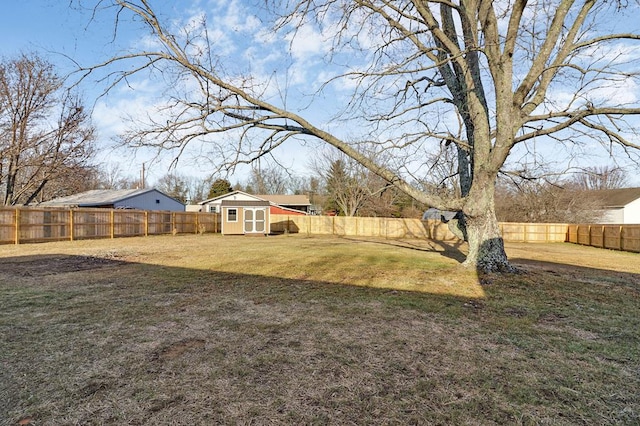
177, 349
50, 265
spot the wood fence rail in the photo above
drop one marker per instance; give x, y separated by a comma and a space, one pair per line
27, 225
408, 228
615, 237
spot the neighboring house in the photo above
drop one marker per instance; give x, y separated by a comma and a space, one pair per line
140, 199
620, 206
288, 202
279, 204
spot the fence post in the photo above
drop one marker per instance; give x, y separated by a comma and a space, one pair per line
112, 223
71, 227
17, 226
146, 223
621, 237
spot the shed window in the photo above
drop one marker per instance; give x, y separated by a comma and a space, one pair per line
232, 215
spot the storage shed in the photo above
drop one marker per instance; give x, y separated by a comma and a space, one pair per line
243, 217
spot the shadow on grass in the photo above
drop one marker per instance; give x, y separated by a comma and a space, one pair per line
448, 249
103, 340
579, 273
93, 340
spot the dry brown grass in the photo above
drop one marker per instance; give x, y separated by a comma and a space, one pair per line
213, 330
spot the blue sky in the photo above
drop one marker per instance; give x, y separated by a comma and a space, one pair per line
54, 29
63, 34
49, 27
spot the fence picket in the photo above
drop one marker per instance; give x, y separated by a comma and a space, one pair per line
25, 224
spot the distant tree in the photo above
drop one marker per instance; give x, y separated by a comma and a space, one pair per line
71, 180
219, 187
175, 186
112, 177
345, 186
269, 180
311, 187
352, 190
390, 202
44, 130
198, 189
545, 201
601, 177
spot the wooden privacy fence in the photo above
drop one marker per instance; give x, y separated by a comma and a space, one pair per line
534, 232
26, 225
616, 237
408, 228
361, 226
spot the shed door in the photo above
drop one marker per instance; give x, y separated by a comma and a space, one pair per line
254, 220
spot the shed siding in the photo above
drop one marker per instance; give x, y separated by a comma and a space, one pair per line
237, 228
232, 228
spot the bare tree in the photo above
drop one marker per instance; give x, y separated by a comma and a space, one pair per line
350, 189
269, 179
601, 177
482, 76
44, 131
346, 191
198, 189
175, 186
545, 201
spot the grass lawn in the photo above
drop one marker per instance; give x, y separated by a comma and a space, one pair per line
315, 330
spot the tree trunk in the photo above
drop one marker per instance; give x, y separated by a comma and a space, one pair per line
486, 246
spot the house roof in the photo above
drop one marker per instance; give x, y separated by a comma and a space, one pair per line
98, 197
281, 200
287, 200
228, 194
617, 197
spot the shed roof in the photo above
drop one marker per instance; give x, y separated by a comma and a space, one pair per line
244, 203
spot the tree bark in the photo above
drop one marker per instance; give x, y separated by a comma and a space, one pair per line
486, 246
